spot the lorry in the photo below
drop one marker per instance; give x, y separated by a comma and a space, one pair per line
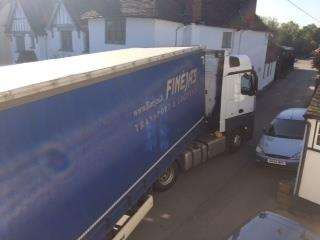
85, 139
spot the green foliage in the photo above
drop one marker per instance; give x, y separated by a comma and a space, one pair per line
272, 23
304, 40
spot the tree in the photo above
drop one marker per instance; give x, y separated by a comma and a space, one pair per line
272, 24
304, 40
288, 33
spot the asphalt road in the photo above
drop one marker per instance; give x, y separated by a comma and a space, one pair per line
211, 201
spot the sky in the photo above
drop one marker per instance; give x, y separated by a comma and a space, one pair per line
285, 12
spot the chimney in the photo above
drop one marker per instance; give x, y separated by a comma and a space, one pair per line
248, 7
196, 10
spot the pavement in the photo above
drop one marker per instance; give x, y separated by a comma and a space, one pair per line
212, 200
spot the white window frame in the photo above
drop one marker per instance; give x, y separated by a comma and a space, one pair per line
23, 41
66, 47
317, 136
115, 31
32, 42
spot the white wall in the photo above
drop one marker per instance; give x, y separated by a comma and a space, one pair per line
54, 44
20, 21
140, 32
5, 53
41, 48
268, 74
165, 33
62, 18
210, 37
254, 44
97, 37
251, 43
38, 47
309, 185
146, 32
21, 27
49, 45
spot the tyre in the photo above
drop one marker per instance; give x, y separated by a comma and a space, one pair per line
234, 141
167, 179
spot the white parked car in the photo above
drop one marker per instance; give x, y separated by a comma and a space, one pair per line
282, 142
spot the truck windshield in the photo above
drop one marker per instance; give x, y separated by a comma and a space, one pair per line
293, 129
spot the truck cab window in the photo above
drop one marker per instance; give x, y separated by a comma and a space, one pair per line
247, 85
234, 62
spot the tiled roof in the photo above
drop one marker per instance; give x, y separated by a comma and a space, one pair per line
77, 8
314, 107
37, 11
228, 13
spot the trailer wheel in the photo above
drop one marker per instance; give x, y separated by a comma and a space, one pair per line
234, 141
167, 179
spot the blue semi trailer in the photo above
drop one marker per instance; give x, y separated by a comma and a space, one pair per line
84, 139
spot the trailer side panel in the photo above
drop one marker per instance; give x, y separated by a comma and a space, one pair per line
90, 153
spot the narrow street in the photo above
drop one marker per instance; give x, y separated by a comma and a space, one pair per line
211, 201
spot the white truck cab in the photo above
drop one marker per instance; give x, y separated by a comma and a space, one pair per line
231, 86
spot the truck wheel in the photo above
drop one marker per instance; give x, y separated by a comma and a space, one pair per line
235, 140
167, 179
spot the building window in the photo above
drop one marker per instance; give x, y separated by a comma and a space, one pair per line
227, 40
20, 44
115, 31
66, 41
33, 44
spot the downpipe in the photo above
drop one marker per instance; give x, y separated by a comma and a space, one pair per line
176, 37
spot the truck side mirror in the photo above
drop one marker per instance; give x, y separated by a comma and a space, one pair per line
255, 80
248, 85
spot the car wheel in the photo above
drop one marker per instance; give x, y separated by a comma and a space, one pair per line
167, 179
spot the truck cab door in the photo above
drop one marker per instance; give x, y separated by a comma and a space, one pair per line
246, 93
229, 104
238, 90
